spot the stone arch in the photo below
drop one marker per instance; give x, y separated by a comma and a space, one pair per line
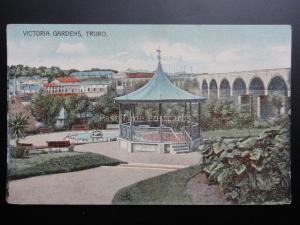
238, 88
259, 106
277, 84
224, 88
256, 86
204, 87
213, 89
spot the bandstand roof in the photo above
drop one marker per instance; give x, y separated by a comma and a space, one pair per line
159, 89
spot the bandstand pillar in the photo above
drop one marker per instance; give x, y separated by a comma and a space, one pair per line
120, 118
199, 118
160, 122
130, 108
190, 118
185, 115
120, 114
133, 112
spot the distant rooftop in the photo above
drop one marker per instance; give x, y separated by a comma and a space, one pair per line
69, 79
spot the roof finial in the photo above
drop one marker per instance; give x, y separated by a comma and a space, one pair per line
158, 56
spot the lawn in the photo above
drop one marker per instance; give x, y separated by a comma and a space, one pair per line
49, 163
167, 188
232, 133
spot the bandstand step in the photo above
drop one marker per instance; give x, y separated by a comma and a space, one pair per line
179, 148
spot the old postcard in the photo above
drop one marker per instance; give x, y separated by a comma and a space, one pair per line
149, 114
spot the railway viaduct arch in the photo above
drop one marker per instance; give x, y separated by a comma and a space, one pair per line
250, 86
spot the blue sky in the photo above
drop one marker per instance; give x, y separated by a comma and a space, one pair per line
197, 48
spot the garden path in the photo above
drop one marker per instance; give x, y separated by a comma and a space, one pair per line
92, 186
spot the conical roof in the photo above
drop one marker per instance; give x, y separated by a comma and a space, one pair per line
159, 89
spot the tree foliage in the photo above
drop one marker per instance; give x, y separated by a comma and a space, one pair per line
105, 105
76, 106
45, 108
276, 100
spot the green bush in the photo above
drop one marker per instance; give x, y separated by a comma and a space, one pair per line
18, 151
260, 123
97, 122
251, 170
59, 162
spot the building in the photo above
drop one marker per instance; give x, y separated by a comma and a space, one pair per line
29, 88
63, 86
94, 88
61, 119
160, 135
104, 73
26, 85
128, 80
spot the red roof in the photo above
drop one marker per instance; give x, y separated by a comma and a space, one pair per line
67, 79
139, 75
49, 85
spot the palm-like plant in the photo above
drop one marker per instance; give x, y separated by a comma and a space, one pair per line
17, 125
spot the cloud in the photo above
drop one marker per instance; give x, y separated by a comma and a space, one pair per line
118, 55
68, 48
231, 55
176, 51
284, 48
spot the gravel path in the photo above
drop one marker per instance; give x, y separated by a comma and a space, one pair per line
112, 149
97, 185
92, 186
204, 194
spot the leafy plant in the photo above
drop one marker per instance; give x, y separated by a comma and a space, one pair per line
17, 126
251, 170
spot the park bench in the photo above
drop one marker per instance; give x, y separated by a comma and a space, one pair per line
78, 127
60, 144
44, 130
25, 144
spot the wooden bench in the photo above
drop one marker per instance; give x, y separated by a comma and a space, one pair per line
60, 144
44, 130
25, 144
78, 127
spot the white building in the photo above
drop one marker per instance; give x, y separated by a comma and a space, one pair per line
72, 86
94, 88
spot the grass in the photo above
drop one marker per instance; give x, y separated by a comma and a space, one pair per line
167, 188
232, 133
50, 163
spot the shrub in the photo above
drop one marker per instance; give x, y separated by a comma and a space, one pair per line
97, 122
18, 151
260, 123
251, 170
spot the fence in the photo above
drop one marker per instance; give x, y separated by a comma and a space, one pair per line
144, 132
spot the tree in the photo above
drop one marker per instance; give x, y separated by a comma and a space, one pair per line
75, 105
106, 105
276, 100
17, 126
45, 108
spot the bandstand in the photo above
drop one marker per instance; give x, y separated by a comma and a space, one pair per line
160, 135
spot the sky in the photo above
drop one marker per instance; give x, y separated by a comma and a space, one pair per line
190, 48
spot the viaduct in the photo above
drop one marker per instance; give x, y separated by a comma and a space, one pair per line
252, 87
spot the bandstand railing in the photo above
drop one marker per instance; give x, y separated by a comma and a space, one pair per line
150, 131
